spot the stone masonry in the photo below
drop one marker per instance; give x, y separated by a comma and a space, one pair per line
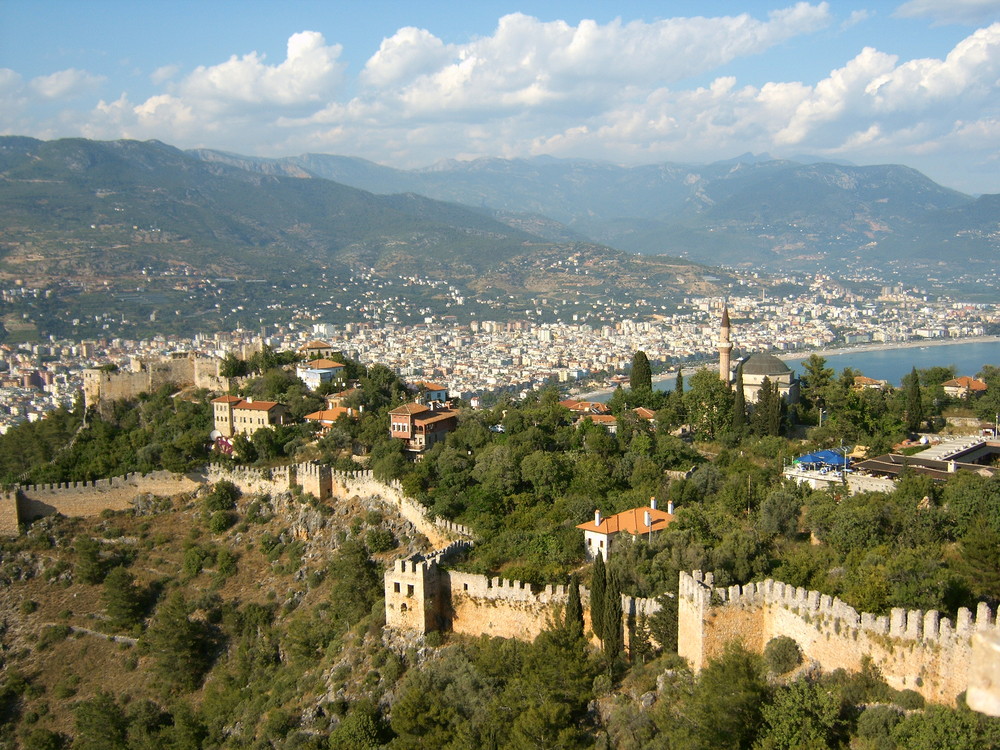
918, 650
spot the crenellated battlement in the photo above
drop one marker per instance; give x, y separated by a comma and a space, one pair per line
914, 648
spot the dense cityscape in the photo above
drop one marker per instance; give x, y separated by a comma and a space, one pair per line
472, 356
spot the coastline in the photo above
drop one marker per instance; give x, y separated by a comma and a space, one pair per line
802, 354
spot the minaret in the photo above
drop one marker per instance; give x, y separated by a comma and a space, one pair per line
725, 346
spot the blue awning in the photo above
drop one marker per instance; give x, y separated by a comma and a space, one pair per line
823, 458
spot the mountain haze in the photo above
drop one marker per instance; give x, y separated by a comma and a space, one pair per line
751, 210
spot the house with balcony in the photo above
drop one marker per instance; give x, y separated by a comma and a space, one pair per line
420, 426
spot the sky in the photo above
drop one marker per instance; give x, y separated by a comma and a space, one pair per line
407, 84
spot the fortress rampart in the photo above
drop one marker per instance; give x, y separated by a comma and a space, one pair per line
918, 650
148, 375
421, 596
31, 501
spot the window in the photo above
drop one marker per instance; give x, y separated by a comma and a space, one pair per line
409, 589
465, 587
395, 587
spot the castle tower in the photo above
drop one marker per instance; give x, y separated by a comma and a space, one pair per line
725, 346
412, 596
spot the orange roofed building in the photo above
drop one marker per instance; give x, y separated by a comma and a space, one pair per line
237, 416
420, 426
599, 534
963, 386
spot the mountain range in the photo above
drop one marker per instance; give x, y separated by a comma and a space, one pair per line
104, 211
752, 210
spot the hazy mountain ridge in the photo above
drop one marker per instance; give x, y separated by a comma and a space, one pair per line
751, 209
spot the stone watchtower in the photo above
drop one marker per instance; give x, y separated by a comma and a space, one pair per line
413, 599
725, 346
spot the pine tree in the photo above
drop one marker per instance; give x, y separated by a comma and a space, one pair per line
121, 599
739, 403
598, 587
573, 621
89, 567
641, 375
178, 645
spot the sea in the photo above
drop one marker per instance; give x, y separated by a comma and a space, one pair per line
885, 364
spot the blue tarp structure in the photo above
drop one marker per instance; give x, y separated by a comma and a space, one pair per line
823, 458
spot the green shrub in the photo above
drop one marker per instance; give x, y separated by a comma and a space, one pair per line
380, 540
220, 520
28, 606
51, 635
782, 654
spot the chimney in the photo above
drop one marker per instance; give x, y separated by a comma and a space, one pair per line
952, 467
652, 503
670, 507
647, 519
249, 399
597, 517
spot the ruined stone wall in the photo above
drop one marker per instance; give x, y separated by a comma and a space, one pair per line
90, 498
913, 649
148, 375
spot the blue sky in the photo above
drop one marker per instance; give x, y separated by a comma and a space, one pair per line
407, 83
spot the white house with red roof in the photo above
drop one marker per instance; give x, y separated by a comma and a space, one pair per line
600, 534
317, 371
963, 386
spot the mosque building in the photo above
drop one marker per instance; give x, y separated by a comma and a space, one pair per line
755, 368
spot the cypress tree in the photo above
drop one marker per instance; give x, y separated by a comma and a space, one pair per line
598, 587
914, 404
641, 375
739, 403
679, 385
612, 619
574, 610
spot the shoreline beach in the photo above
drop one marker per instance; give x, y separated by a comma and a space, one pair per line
828, 352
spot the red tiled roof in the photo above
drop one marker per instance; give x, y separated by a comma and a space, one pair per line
633, 521
327, 415
645, 413
435, 416
226, 400
430, 386
316, 345
411, 408
966, 382
257, 405
321, 364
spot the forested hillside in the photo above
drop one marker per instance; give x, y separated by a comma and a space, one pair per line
214, 620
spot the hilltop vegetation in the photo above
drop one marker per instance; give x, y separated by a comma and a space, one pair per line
257, 622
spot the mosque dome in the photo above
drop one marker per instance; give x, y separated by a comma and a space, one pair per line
764, 364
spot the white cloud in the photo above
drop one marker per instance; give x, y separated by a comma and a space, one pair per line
309, 74
856, 17
971, 12
618, 91
65, 83
164, 73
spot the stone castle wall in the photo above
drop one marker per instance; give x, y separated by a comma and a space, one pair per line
148, 375
326, 484
420, 596
915, 650
32, 501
